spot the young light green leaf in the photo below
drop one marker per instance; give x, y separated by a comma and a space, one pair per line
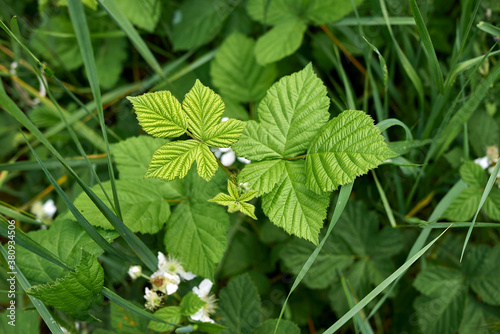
262, 176
281, 41
346, 147
77, 291
240, 305
259, 143
225, 133
203, 229
206, 163
236, 201
160, 114
173, 160
295, 208
236, 72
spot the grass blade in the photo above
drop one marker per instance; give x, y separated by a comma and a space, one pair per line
489, 28
23, 240
381, 287
121, 20
40, 306
428, 46
385, 202
77, 15
486, 192
17, 215
345, 192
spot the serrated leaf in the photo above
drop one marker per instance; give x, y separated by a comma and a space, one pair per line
247, 209
239, 305
196, 233
262, 176
464, 206
225, 133
77, 291
191, 304
433, 280
197, 22
346, 147
291, 113
64, 239
206, 163
110, 56
259, 143
222, 199
473, 174
285, 327
144, 14
281, 41
203, 108
236, 72
144, 205
326, 11
484, 280
173, 160
160, 114
293, 207
484, 131
492, 205
171, 314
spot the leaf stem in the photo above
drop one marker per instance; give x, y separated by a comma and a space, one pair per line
297, 157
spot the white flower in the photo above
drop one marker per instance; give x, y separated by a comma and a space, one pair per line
165, 282
45, 211
203, 291
173, 267
227, 156
135, 272
492, 154
152, 299
483, 162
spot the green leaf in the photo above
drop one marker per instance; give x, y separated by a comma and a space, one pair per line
473, 175
484, 279
326, 11
236, 72
173, 160
432, 280
160, 114
279, 42
239, 305
110, 56
275, 11
225, 133
145, 209
64, 239
483, 132
492, 205
291, 113
346, 147
197, 22
267, 327
196, 233
125, 322
77, 291
236, 201
262, 176
144, 14
204, 109
209, 328
191, 304
206, 163
171, 314
295, 208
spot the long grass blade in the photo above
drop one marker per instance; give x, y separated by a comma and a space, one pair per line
17, 215
381, 287
489, 28
428, 46
385, 202
39, 305
345, 192
121, 20
77, 15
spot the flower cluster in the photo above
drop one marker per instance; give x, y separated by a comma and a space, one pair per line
165, 281
489, 161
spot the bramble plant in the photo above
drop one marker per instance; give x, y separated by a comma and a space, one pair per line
249, 166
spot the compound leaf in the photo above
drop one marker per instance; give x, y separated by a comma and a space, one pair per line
160, 114
346, 147
225, 133
173, 160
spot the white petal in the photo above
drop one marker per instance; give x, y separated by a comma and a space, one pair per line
228, 158
225, 149
205, 287
171, 288
483, 162
161, 260
198, 315
224, 119
49, 208
187, 275
245, 161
